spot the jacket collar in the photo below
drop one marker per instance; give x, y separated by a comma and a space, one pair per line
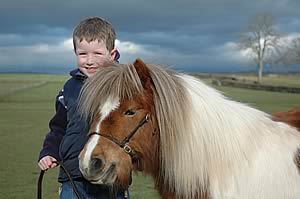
78, 74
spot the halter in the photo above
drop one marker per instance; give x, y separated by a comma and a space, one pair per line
123, 144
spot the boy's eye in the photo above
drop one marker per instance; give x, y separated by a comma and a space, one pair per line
81, 53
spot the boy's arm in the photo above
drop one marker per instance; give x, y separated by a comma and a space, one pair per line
57, 127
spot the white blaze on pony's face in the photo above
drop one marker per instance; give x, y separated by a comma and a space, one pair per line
87, 154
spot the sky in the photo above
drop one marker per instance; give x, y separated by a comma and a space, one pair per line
186, 35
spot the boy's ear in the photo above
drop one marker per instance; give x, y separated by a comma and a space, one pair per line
114, 54
143, 72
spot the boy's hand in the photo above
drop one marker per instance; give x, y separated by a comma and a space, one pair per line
47, 162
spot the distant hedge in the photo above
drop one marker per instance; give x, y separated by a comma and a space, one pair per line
233, 83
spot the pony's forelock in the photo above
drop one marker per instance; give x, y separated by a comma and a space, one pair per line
110, 82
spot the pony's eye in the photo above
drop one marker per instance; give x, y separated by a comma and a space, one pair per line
129, 112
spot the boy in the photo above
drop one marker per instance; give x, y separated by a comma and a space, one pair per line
94, 43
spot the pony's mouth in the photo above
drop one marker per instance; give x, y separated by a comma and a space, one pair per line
107, 176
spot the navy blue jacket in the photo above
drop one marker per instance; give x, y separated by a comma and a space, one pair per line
68, 132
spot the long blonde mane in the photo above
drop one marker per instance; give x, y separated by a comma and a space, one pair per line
205, 137
112, 81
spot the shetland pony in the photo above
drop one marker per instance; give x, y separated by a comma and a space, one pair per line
192, 140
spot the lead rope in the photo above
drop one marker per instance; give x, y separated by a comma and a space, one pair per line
39, 188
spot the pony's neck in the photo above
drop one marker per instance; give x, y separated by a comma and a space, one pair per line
219, 137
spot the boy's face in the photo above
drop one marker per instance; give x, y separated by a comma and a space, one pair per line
92, 55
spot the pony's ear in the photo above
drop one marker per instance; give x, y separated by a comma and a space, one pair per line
143, 72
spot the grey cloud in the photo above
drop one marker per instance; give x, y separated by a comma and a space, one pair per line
179, 32
134, 15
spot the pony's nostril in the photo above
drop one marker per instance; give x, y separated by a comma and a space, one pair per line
96, 163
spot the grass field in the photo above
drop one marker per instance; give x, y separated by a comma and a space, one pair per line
27, 103
276, 80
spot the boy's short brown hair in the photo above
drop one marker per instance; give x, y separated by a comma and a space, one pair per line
95, 28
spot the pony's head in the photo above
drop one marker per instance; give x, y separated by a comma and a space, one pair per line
123, 129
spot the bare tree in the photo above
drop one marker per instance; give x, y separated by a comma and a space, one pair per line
260, 41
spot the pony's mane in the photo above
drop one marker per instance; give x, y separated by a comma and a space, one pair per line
199, 127
112, 81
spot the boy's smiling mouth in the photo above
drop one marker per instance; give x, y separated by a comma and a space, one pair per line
91, 69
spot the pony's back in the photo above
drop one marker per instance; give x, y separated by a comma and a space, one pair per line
292, 117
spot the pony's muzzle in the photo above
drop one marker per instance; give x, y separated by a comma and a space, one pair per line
93, 168
98, 171
96, 164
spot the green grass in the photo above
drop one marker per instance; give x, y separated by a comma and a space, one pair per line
263, 100
27, 104
11, 83
23, 121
